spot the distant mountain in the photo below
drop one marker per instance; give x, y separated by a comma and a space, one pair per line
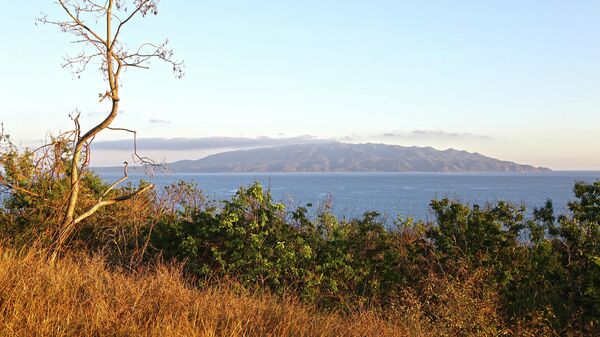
342, 157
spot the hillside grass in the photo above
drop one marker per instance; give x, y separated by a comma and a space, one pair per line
80, 296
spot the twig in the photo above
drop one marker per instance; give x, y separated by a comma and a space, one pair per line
108, 202
17, 188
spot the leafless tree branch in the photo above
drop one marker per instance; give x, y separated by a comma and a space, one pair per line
114, 56
136, 157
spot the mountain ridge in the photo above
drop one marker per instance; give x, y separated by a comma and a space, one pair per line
344, 157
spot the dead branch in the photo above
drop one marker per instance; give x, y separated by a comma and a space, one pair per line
102, 203
123, 22
136, 157
13, 187
68, 229
110, 46
125, 176
113, 56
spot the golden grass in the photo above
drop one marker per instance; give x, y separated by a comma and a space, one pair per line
81, 297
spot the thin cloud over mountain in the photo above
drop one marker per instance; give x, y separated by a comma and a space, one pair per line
428, 134
415, 135
205, 143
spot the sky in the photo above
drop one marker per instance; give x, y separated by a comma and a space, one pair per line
515, 80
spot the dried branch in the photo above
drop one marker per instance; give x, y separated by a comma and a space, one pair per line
110, 46
113, 56
13, 187
79, 22
113, 185
123, 22
68, 229
102, 203
136, 157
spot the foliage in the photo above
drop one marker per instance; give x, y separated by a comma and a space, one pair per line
538, 272
34, 186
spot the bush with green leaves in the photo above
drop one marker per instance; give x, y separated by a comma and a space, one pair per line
540, 270
34, 186
544, 267
248, 238
255, 241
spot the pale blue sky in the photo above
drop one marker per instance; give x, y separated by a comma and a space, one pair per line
518, 80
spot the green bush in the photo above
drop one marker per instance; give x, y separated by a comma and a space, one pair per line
537, 272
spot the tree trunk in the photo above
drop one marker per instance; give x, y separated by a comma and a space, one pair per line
68, 223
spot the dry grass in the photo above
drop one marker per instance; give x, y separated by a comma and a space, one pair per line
81, 297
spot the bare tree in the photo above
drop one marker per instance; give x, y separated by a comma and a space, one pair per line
98, 25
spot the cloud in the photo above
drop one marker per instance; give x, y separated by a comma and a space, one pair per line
433, 134
218, 143
206, 143
158, 121
350, 138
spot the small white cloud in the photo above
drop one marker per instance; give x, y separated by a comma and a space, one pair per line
432, 134
158, 121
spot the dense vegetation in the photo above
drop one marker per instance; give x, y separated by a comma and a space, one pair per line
475, 270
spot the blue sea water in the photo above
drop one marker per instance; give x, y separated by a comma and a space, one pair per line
391, 194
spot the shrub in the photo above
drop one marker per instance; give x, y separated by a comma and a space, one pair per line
476, 269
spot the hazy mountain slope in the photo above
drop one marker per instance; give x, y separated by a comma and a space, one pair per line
341, 157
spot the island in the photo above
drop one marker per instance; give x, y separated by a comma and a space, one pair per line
344, 157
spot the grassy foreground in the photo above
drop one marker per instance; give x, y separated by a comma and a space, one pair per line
79, 296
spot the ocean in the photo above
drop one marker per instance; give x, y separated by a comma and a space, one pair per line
390, 194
